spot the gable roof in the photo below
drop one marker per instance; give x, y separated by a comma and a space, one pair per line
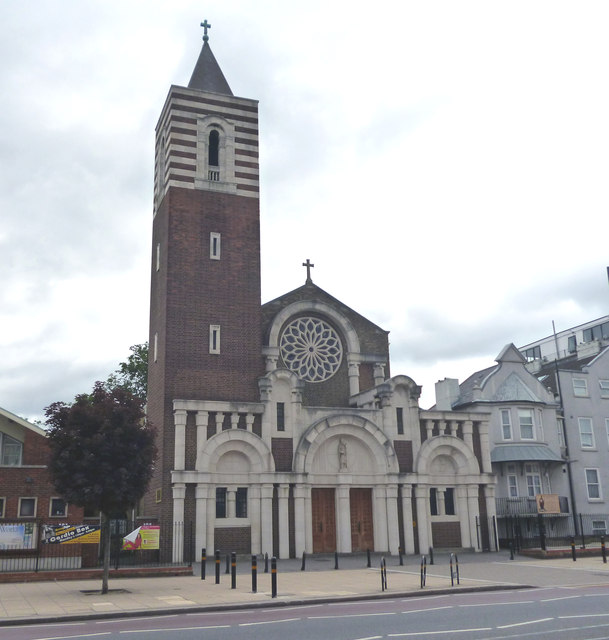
22, 422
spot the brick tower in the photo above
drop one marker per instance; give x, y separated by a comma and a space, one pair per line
205, 336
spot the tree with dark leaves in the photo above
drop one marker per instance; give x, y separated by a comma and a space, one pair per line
102, 453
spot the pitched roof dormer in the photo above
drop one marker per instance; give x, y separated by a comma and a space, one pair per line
510, 353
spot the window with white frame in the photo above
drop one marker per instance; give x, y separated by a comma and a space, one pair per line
512, 483
527, 424
214, 245
593, 485
533, 480
506, 424
58, 508
586, 433
580, 387
27, 507
560, 429
599, 527
11, 451
604, 386
214, 338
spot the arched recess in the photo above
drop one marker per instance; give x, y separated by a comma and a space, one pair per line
463, 460
243, 442
224, 170
354, 427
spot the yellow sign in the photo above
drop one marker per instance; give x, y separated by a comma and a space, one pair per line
70, 534
143, 538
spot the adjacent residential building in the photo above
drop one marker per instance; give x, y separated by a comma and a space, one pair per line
525, 434
574, 365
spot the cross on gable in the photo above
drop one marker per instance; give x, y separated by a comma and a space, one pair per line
205, 26
309, 265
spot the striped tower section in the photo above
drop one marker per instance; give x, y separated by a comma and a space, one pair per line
205, 308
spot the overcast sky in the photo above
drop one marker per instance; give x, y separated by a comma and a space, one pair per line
443, 164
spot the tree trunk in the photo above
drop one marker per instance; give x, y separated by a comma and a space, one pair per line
107, 539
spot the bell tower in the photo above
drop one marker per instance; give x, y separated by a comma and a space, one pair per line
205, 327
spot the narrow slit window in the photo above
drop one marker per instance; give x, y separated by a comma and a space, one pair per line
214, 338
280, 416
214, 148
215, 245
399, 414
158, 256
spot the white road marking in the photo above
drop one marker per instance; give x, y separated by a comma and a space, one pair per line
251, 624
522, 624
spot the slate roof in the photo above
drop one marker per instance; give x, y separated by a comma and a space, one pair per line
207, 74
524, 452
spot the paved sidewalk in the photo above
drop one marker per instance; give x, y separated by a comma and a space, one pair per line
52, 601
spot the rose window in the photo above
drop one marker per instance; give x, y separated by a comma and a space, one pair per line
311, 349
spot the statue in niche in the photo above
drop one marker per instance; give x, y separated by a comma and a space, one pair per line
342, 455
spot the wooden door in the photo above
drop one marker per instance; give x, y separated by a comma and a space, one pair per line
362, 529
323, 520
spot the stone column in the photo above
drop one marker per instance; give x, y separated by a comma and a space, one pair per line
179, 454
468, 431
249, 421
378, 373
407, 518
353, 369
421, 493
202, 418
219, 421
491, 512
472, 506
266, 518
284, 522
211, 516
392, 519
343, 519
253, 499
463, 513
485, 452
429, 429
201, 518
179, 494
299, 520
379, 517
308, 519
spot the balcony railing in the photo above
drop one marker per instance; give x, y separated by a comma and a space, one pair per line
525, 506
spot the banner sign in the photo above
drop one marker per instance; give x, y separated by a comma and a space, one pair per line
17, 536
548, 503
70, 534
143, 538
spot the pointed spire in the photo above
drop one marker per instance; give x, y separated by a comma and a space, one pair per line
207, 74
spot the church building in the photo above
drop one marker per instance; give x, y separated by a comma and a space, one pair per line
280, 427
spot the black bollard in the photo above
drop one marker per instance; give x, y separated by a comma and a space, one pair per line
423, 570
573, 552
217, 567
304, 557
385, 573
273, 577
266, 563
233, 570
400, 554
603, 550
430, 555
511, 551
452, 575
457, 567
382, 576
368, 555
254, 574
203, 561
336, 559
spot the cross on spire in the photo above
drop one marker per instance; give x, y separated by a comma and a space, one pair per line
205, 26
309, 265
